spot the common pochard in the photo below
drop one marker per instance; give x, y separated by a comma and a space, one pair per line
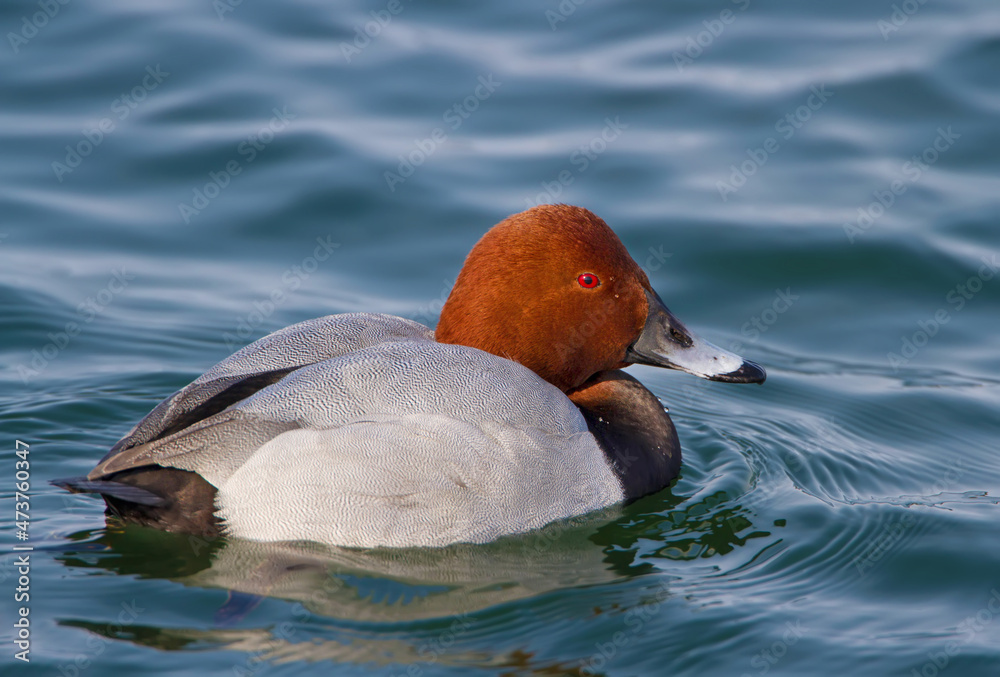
371, 430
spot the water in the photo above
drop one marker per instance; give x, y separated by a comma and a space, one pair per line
841, 519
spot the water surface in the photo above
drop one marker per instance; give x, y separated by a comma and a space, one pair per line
813, 186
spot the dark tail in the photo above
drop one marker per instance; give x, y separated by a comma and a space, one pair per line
108, 488
165, 498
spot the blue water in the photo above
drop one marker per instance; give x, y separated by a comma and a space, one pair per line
813, 185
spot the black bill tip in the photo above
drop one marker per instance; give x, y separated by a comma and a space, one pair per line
749, 372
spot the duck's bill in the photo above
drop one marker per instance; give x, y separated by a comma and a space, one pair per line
666, 342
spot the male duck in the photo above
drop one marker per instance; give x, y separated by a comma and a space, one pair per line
371, 430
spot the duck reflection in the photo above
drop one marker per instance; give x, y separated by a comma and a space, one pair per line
412, 605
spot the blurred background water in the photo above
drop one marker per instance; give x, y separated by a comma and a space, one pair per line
813, 185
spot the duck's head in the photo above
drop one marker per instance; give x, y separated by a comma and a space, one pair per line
554, 289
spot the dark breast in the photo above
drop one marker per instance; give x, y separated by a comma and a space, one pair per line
633, 429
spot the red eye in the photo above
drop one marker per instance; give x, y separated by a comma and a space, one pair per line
588, 281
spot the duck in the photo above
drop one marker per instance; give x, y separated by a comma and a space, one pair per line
365, 430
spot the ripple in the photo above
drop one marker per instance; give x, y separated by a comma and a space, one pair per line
846, 497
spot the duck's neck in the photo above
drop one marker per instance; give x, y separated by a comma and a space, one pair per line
633, 430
